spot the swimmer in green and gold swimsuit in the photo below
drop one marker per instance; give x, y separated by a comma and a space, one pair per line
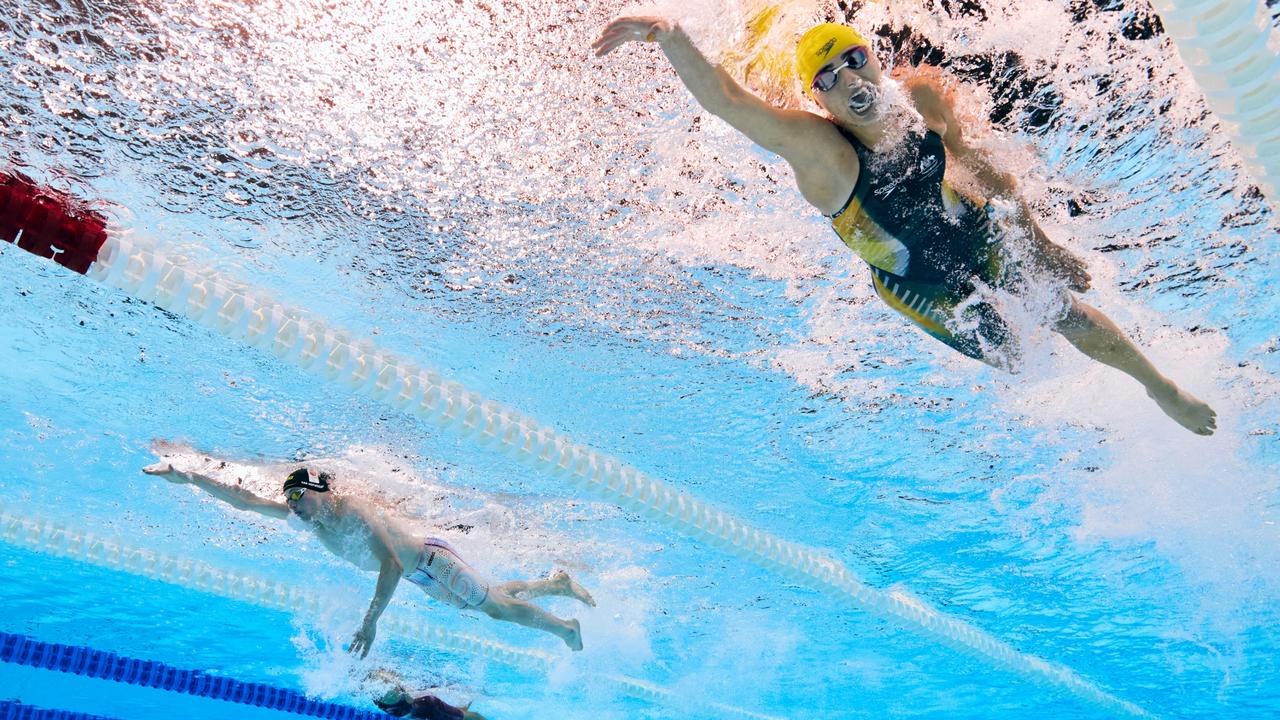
875, 165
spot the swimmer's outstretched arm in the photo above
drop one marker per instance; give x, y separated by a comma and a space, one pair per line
934, 105
825, 165
236, 497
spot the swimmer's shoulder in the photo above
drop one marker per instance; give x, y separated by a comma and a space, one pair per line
828, 173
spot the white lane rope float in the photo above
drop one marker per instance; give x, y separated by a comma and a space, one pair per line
1233, 53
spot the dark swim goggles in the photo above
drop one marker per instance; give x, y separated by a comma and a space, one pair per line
854, 58
295, 494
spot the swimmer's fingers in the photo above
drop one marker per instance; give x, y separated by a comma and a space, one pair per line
629, 29
606, 44
1067, 267
1078, 277
164, 470
611, 39
1082, 281
362, 641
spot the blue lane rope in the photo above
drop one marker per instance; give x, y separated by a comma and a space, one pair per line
87, 662
13, 710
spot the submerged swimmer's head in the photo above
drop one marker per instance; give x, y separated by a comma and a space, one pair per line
302, 491
389, 692
823, 55
395, 701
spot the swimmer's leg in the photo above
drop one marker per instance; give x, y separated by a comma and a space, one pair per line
558, 584
1093, 334
501, 606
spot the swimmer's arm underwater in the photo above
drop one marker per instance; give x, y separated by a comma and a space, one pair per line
938, 109
389, 574
825, 165
236, 497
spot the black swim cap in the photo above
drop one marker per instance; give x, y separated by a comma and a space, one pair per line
400, 708
302, 478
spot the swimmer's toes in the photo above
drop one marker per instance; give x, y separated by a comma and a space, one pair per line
581, 593
571, 588
1188, 411
1206, 418
1196, 416
1211, 423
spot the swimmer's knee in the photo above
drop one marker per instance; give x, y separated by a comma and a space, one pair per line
495, 605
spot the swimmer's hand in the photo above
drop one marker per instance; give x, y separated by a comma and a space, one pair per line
1061, 263
631, 29
363, 640
166, 471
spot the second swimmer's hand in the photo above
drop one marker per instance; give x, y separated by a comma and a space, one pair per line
363, 640
166, 471
630, 29
1067, 266
1078, 278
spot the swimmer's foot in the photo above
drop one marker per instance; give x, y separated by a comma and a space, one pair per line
567, 587
1191, 413
573, 638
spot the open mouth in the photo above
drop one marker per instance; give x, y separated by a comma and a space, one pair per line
862, 100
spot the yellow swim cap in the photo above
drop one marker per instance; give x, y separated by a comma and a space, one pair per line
817, 47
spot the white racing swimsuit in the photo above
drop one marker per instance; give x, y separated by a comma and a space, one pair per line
445, 576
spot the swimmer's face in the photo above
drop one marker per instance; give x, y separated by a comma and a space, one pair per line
848, 87
304, 503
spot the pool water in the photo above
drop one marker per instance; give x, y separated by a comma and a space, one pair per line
573, 238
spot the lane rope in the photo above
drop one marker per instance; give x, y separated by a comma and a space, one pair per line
13, 710
249, 315
91, 663
1233, 53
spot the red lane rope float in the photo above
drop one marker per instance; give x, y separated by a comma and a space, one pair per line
49, 224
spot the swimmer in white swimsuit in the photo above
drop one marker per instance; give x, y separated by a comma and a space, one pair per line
445, 576
356, 531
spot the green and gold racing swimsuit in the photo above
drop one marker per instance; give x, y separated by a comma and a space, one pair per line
926, 245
